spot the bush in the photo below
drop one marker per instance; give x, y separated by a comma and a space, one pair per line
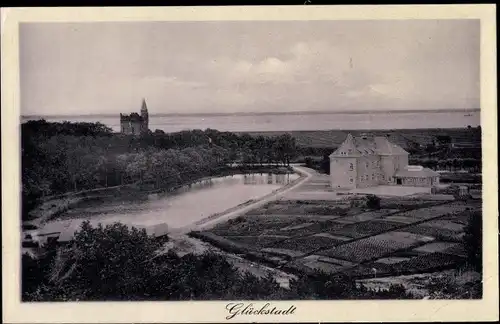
373, 202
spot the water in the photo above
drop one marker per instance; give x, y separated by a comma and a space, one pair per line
292, 122
184, 208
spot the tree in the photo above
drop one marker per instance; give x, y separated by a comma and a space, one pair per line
103, 262
473, 241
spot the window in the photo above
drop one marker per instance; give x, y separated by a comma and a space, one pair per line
383, 177
351, 180
366, 164
350, 151
373, 176
351, 166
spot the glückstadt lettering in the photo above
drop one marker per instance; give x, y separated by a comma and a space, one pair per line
236, 309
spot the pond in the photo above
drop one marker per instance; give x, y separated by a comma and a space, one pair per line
175, 210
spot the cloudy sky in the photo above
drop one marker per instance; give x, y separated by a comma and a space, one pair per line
188, 67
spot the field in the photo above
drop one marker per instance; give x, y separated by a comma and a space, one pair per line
403, 137
405, 236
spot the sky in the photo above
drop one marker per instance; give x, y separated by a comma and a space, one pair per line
248, 66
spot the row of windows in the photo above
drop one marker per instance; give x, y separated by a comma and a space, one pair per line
367, 177
374, 164
415, 179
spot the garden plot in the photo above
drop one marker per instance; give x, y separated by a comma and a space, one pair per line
375, 246
427, 262
457, 250
363, 217
307, 244
253, 225
441, 234
318, 262
334, 237
432, 212
401, 219
393, 260
435, 247
372, 269
445, 224
283, 252
302, 207
322, 266
418, 264
257, 241
295, 227
296, 230
358, 230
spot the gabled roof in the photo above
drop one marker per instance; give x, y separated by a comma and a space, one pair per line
367, 145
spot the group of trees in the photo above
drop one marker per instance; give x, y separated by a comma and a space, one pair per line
469, 164
121, 263
64, 157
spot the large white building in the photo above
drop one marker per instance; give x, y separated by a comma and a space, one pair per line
368, 161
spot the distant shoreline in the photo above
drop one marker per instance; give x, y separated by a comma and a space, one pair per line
316, 112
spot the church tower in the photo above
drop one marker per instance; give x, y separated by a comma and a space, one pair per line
145, 116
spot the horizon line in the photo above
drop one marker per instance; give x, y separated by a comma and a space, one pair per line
295, 112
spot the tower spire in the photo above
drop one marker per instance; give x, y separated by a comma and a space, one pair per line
144, 107
145, 117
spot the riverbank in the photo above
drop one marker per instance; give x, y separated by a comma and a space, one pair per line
52, 208
241, 209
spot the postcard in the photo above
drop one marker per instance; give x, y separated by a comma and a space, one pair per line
249, 164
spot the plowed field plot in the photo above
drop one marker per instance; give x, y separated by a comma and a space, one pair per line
283, 252
295, 227
375, 247
253, 225
254, 242
396, 203
307, 244
370, 269
438, 233
296, 230
318, 262
435, 247
322, 266
364, 216
427, 262
393, 260
445, 224
457, 250
361, 229
461, 218
431, 212
401, 219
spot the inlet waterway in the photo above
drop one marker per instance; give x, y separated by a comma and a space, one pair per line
169, 211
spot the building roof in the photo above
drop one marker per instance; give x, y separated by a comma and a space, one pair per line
412, 172
367, 145
132, 117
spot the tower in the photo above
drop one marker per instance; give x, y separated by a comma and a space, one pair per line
145, 116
